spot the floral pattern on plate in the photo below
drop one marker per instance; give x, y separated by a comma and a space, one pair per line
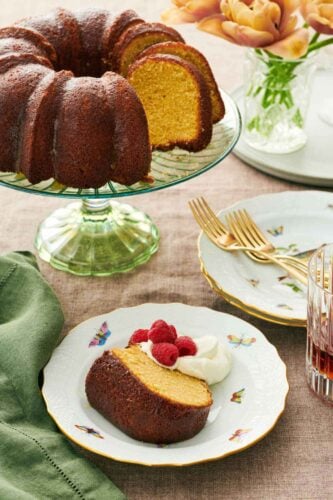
237, 397
90, 430
101, 336
276, 231
240, 341
238, 435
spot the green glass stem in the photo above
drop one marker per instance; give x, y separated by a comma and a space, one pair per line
97, 238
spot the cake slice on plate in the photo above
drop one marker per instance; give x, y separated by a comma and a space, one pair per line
145, 400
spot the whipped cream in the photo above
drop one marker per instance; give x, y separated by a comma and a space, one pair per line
211, 363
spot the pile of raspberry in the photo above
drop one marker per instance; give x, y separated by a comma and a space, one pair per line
167, 346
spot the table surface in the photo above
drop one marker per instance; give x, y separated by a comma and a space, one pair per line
295, 459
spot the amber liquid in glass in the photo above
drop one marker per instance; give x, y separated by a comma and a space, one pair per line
322, 361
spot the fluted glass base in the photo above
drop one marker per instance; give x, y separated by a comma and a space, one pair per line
320, 384
97, 238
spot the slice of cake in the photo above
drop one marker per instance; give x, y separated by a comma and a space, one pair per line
136, 39
194, 57
112, 33
145, 400
176, 101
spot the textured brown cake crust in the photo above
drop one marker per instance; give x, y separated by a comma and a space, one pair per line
204, 117
140, 31
39, 45
124, 400
132, 151
113, 32
9, 60
92, 23
62, 30
38, 130
194, 57
23, 77
84, 141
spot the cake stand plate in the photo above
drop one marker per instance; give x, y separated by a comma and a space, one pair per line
100, 237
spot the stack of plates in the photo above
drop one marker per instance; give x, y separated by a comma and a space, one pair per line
296, 223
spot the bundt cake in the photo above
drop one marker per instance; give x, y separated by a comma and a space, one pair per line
194, 57
66, 115
147, 401
176, 101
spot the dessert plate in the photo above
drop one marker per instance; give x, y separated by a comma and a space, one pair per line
247, 404
312, 164
296, 223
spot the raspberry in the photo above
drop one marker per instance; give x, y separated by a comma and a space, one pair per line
161, 323
158, 323
174, 331
161, 334
186, 346
165, 353
160, 331
138, 336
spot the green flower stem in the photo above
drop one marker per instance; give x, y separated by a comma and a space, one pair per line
275, 90
314, 38
319, 45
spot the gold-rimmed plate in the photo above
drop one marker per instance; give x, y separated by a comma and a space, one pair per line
296, 223
247, 404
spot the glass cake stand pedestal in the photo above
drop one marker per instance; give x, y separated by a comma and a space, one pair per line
98, 236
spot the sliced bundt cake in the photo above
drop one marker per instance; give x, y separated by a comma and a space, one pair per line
195, 57
137, 38
146, 401
64, 116
176, 101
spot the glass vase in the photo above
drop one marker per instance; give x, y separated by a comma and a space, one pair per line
277, 93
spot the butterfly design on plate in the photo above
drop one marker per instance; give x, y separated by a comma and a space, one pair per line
237, 397
101, 336
275, 231
238, 341
89, 430
253, 282
238, 434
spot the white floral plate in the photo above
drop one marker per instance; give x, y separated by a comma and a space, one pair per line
296, 222
247, 404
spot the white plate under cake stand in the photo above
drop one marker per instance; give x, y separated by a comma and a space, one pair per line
312, 164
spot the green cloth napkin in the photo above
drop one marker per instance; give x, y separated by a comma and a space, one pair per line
36, 460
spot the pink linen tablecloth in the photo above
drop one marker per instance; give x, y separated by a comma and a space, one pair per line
295, 460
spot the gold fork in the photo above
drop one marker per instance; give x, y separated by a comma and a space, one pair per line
248, 233
222, 238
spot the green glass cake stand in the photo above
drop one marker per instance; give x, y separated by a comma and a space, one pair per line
96, 235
